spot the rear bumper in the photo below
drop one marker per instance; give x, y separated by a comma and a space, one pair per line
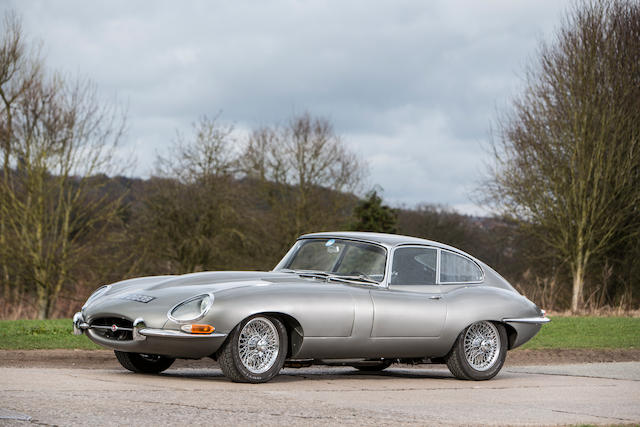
145, 340
534, 320
525, 328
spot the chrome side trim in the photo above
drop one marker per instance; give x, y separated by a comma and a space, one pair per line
167, 333
538, 320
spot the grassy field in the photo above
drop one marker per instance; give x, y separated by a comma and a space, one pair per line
562, 332
41, 334
588, 332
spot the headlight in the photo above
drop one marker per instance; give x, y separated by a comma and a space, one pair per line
192, 309
98, 292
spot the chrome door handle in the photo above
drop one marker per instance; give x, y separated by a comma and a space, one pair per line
435, 297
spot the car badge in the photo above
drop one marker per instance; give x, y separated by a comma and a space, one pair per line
114, 327
138, 298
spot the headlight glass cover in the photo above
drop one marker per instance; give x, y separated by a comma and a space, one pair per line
98, 292
191, 309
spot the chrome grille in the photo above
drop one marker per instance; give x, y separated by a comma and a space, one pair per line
113, 328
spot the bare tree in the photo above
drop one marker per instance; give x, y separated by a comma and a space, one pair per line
209, 153
57, 135
20, 68
189, 218
568, 159
303, 169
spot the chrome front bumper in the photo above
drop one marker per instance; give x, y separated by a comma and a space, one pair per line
140, 330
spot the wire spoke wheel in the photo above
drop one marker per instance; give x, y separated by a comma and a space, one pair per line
255, 350
258, 345
482, 345
479, 351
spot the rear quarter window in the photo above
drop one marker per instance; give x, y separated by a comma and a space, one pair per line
455, 268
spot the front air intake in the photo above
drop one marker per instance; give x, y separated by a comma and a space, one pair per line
113, 328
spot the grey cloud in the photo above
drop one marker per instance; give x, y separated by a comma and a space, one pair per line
412, 85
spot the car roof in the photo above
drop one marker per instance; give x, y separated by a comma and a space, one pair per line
395, 240
380, 238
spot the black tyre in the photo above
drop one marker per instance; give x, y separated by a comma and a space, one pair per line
255, 350
479, 352
144, 363
371, 367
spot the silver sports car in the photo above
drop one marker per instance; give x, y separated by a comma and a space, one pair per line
359, 299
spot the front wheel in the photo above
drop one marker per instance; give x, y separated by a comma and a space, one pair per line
479, 352
255, 350
143, 363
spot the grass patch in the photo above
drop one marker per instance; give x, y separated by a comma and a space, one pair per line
588, 332
41, 334
562, 332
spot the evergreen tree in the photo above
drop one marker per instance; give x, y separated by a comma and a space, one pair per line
371, 215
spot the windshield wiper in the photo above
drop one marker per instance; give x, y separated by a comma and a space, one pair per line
311, 273
354, 277
332, 276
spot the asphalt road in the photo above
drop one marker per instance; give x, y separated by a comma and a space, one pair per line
603, 393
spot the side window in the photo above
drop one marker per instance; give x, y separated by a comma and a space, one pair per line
455, 268
414, 266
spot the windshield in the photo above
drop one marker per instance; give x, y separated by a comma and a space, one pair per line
337, 257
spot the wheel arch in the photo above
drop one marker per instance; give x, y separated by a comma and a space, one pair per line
512, 334
294, 330
466, 306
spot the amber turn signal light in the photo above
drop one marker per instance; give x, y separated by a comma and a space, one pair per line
198, 329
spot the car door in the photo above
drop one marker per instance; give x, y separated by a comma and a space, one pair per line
412, 305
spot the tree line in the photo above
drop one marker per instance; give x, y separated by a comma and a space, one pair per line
565, 183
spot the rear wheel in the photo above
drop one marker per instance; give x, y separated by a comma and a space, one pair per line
143, 363
255, 351
479, 352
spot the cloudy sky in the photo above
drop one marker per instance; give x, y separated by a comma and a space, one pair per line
412, 86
